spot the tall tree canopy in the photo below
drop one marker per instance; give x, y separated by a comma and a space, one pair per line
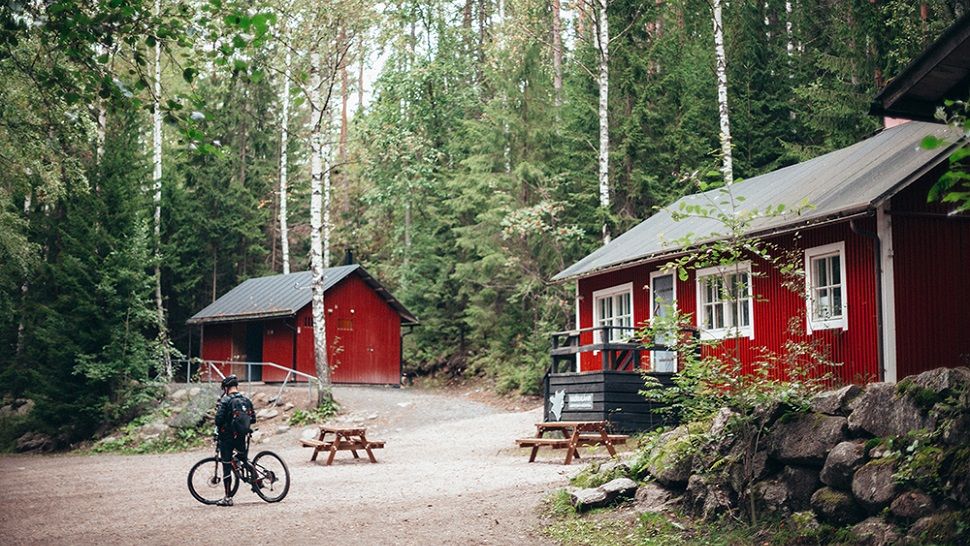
469, 173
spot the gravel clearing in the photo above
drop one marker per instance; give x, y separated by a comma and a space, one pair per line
450, 474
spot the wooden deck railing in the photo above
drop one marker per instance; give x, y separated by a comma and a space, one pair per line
618, 348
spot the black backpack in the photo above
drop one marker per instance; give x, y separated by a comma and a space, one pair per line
240, 415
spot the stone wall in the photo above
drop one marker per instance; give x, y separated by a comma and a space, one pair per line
889, 461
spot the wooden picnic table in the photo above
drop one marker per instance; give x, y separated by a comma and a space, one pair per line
342, 439
574, 434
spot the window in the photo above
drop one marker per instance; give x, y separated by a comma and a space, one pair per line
724, 301
825, 287
663, 296
613, 307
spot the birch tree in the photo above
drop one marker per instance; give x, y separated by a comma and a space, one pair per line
557, 51
284, 142
603, 81
330, 30
157, 199
727, 164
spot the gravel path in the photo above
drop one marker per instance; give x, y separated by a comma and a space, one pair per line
449, 475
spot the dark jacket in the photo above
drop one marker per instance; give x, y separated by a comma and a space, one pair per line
224, 412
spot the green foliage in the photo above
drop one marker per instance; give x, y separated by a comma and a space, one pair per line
954, 185
316, 415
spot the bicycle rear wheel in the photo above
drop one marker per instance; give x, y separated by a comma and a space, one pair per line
205, 481
271, 477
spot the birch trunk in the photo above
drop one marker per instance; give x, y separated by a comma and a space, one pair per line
327, 192
24, 288
727, 168
157, 186
603, 44
557, 51
325, 393
284, 140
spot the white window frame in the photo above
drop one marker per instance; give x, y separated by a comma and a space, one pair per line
661, 273
722, 271
609, 293
814, 253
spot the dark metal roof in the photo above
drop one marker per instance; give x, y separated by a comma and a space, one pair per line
941, 72
284, 296
836, 185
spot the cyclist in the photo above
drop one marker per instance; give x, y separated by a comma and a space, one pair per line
234, 415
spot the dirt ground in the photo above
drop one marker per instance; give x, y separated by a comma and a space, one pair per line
450, 474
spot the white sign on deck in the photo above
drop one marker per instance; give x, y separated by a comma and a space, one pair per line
579, 401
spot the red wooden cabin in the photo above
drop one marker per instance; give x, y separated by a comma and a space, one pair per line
269, 319
886, 291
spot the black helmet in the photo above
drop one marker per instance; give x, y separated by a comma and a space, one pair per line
230, 381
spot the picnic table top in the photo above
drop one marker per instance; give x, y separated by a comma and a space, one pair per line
344, 430
552, 425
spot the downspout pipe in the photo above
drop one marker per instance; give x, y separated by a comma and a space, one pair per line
877, 256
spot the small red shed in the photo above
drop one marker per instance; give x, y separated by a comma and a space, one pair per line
269, 319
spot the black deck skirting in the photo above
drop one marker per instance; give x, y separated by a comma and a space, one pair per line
609, 395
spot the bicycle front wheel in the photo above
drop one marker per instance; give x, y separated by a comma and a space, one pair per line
205, 481
271, 477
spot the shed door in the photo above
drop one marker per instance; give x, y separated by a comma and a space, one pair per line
662, 306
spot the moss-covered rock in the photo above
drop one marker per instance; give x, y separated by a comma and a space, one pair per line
836, 507
874, 485
941, 528
671, 459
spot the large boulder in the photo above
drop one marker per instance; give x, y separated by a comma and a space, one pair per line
604, 495
789, 492
943, 381
708, 498
841, 463
835, 402
881, 411
875, 531
873, 484
836, 507
653, 498
670, 461
806, 439
940, 528
912, 505
34, 441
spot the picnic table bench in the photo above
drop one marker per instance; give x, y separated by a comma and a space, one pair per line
342, 439
574, 435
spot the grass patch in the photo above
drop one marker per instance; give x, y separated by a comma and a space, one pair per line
127, 441
622, 528
316, 415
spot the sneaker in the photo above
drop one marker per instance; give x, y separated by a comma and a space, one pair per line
226, 501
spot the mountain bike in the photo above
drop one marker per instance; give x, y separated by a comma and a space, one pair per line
267, 474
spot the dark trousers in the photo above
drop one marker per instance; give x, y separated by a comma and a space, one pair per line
228, 445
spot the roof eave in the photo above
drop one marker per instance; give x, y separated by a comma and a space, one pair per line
839, 216
241, 317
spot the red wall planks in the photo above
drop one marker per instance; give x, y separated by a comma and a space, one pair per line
217, 344
278, 338
363, 336
775, 307
931, 263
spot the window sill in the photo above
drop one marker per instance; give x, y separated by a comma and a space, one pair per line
834, 324
728, 333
